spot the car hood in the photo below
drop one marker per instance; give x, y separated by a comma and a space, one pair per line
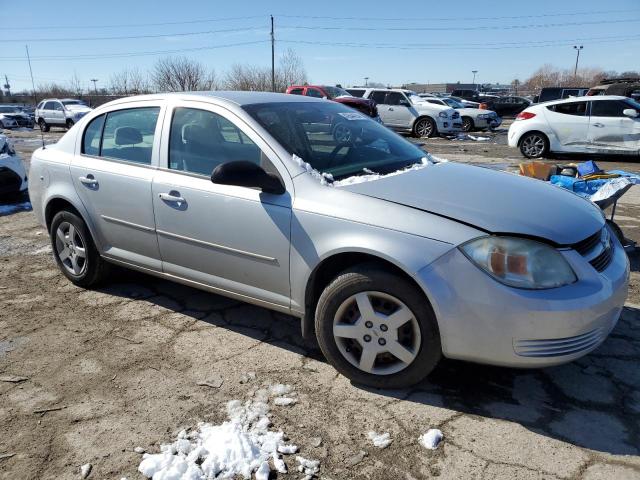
78, 108
493, 201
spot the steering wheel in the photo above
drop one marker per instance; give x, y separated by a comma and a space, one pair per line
334, 152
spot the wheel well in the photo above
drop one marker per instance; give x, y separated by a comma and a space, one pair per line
56, 205
532, 131
467, 116
329, 269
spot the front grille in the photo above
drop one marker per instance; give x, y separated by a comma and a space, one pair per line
455, 115
560, 346
597, 248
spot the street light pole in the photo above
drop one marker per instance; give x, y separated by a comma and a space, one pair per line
95, 89
474, 77
577, 48
366, 81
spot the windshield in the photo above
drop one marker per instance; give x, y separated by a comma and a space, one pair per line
335, 92
73, 102
9, 110
634, 104
415, 98
335, 139
452, 103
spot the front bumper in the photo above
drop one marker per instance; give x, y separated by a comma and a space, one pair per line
13, 177
448, 125
483, 321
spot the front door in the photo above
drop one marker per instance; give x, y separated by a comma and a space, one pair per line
401, 112
570, 124
112, 176
610, 130
235, 239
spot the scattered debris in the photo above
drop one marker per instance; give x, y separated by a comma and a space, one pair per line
308, 467
279, 390
214, 382
355, 459
315, 441
139, 450
137, 342
4, 456
380, 440
431, 439
279, 464
42, 411
13, 378
287, 449
284, 401
85, 470
247, 377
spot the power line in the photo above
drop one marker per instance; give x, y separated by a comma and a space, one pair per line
129, 37
482, 27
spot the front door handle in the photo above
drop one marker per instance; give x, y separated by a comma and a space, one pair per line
599, 125
89, 180
391, 109
171, 197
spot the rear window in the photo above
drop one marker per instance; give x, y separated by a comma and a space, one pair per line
578, 109
356, 92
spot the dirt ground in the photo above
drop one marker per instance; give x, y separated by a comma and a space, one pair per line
120, 367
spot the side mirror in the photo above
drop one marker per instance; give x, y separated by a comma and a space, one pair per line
630, 112
247, 174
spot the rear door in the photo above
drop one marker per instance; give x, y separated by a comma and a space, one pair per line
610, 131
113, 172
57, 114
570, 123
400, 111
385, 111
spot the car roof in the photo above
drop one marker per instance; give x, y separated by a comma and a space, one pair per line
586, 98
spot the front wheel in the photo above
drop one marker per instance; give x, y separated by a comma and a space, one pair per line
534, 145
43, 125
467, 124
425, 127
377, 329
74, 250
69, 123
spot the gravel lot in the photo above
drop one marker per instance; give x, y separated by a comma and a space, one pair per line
120, 368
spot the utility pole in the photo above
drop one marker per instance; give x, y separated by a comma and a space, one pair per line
273, 58
474, 77
95, 89
366, 81
33, 85
577, 48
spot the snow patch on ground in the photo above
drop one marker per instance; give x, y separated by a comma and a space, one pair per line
380, 440
431, 439
240, 446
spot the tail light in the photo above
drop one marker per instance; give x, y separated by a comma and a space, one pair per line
525, 116
483, 106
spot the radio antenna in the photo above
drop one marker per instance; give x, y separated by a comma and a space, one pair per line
33, 85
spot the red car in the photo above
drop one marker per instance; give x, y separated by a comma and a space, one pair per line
336, 94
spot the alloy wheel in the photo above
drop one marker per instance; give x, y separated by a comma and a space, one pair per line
70, 248
342, 133
533, 146
424, 128
377, 333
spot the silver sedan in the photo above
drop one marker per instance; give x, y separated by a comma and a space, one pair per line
390, 259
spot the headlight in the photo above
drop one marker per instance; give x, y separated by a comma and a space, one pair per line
442, 114
519, 262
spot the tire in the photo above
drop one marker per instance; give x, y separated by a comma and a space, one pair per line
534, 145
467, 124
386, 294
70, 123
425, 127
70, 240
43, 125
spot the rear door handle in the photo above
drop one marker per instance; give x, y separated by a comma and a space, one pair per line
171, 197
89, 180
599, 125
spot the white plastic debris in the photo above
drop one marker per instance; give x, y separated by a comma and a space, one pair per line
85, 470
611, 188
380, 440
431, 439
284, 401
139, 450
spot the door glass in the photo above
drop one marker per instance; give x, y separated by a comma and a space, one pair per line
296, 91
57, 106
49, 106
395, 98
608, 108
201, 140
312, 92
378, 97
572, 108
92, 134
128, 134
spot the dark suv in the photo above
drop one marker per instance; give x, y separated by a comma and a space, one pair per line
337, 94
467, 94
628, 87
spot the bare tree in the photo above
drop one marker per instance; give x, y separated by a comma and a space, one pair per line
248, 77
75, 85
180, 74
290, 71
130, 81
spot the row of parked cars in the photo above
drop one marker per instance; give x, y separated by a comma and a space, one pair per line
50, 112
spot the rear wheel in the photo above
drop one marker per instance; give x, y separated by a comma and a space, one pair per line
467, 124
377, 329
69, 123
74, 250
425, 127
534, 145
43, 125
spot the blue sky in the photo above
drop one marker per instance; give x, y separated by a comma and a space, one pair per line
359, 39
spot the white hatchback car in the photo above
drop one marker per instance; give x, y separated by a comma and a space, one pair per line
604, 125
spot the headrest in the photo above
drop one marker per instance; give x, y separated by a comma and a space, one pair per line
194, 133
128, 136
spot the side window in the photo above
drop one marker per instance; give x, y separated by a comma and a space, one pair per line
378, 97
395, 98
572, 108
201, 140
40, 105
49, 106
57, 106
608, 108
296, 91
355, 92
128, 134
92, 136
314, 92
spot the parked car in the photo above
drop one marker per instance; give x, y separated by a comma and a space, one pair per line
13, 177
605, 124
472, 118
337, 94
466, 103
467, 94
65, 112
628, 87
13, 112
548, 94
390, 260
356, 91
508, 106
405, 111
